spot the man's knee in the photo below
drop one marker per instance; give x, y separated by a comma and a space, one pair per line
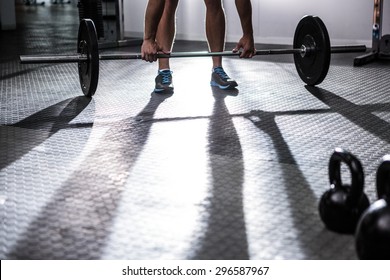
213, 5
171, 5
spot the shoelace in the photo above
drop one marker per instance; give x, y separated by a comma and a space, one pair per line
220, 72
166, 76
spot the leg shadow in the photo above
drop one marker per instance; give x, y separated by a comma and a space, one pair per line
303, 202
77, 221
225, 235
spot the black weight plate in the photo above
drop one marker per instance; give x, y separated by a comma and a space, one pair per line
312, 67
384, 46
88, 46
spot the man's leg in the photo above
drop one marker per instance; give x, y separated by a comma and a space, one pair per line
165, 35
166, 30
215, 32
215, 28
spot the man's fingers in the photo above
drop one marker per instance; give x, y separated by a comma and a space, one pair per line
237, 48
149, 57
248, 53
149, 51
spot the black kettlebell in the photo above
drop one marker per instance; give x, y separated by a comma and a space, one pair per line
373, 231
342, 205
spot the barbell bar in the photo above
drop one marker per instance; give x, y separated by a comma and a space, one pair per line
32, 59
311, 50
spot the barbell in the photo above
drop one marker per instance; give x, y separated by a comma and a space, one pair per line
311, 50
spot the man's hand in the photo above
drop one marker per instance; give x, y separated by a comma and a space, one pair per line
246, 46
149, 50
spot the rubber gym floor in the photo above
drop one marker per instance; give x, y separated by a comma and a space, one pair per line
200, 174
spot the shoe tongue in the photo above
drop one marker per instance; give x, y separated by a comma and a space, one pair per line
164, 71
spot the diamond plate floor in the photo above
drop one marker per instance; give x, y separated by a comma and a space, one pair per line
201, 174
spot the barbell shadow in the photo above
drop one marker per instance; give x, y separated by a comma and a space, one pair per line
225, 234
23, 72
77, 221
360, 115
20, 138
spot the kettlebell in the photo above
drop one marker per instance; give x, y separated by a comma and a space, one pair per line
373, 231
342, 205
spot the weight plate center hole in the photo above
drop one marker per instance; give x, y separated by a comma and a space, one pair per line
308, 47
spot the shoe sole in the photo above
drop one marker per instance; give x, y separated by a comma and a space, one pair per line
215, 84
163, 91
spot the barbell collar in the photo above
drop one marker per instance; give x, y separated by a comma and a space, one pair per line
348, 49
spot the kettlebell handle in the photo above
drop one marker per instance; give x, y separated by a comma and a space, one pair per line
383, 178
357, 175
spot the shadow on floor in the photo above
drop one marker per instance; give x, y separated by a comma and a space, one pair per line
78, 219
20, 138
225, 235
361, 115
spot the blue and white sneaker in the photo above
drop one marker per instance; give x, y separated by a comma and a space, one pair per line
220, 79
164, 82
